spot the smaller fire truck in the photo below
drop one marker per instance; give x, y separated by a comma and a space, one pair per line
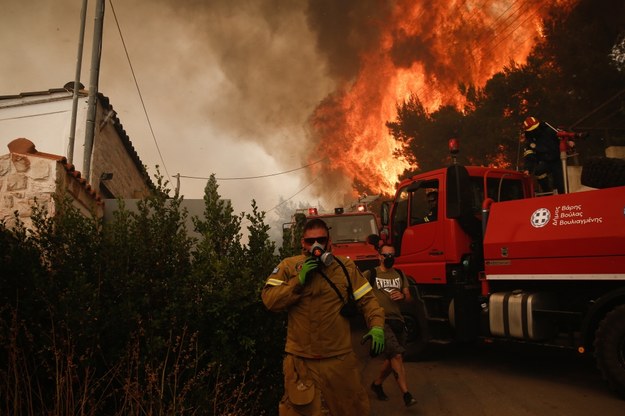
348, 231
498, 263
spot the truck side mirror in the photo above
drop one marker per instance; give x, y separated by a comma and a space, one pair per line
460, 201
459, 197
385, 213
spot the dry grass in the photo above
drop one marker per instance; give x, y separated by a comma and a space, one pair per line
57, 381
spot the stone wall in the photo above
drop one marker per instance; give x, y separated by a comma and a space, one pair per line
27, 176
21, 182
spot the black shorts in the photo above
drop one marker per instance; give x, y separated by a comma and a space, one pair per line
394, 340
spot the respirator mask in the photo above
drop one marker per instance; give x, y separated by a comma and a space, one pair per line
319, 252
389, 260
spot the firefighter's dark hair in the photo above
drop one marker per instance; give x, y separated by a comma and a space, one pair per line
316, 223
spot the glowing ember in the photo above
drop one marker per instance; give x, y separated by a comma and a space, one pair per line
424, 48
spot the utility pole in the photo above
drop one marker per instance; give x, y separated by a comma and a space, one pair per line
81, 39
96, 54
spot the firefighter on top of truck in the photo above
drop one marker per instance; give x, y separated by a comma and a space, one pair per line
541, 155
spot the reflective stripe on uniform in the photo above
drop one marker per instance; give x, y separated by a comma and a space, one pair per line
362, 290
528, 152
274, 282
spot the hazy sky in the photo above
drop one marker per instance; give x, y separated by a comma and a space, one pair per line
228, 85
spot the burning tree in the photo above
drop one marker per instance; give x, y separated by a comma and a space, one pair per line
456, 69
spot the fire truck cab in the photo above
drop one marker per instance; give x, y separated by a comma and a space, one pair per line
349, 231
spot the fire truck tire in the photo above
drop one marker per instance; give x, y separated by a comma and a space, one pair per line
610, 349
416, 332
603, 172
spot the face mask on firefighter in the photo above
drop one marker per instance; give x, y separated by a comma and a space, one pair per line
324, 257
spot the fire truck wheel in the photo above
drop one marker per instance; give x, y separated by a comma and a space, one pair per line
416, 332
603, 172
610, 349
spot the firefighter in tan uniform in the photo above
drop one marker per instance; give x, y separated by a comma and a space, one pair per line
313, 288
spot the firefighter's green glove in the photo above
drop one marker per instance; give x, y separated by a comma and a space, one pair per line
376, 334
308, 266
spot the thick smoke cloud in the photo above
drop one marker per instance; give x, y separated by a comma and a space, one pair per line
228, 85
345, 30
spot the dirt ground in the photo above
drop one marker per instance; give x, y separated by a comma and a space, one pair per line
496, 380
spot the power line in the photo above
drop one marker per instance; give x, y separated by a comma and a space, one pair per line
34, 115
498, 25
599, 107
529, 16
295, 194
145, 111
257, 176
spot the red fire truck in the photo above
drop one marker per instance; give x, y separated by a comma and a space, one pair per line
498, 263
349, 231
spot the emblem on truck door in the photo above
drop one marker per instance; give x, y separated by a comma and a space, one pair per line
540, 217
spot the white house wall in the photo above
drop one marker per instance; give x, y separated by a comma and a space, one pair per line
46, 123
44, 118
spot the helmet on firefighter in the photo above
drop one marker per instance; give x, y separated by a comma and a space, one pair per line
530, 123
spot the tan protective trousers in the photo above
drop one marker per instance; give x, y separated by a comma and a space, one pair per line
337, 379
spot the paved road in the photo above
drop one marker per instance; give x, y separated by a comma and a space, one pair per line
498, 380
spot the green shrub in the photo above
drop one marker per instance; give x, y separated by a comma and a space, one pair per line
134, 317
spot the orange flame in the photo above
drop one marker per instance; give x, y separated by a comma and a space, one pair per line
423, 48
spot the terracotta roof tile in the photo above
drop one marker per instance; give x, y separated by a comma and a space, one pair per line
26, 147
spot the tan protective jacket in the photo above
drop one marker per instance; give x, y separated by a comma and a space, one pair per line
316, 329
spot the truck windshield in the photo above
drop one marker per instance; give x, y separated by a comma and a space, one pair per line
351, 228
